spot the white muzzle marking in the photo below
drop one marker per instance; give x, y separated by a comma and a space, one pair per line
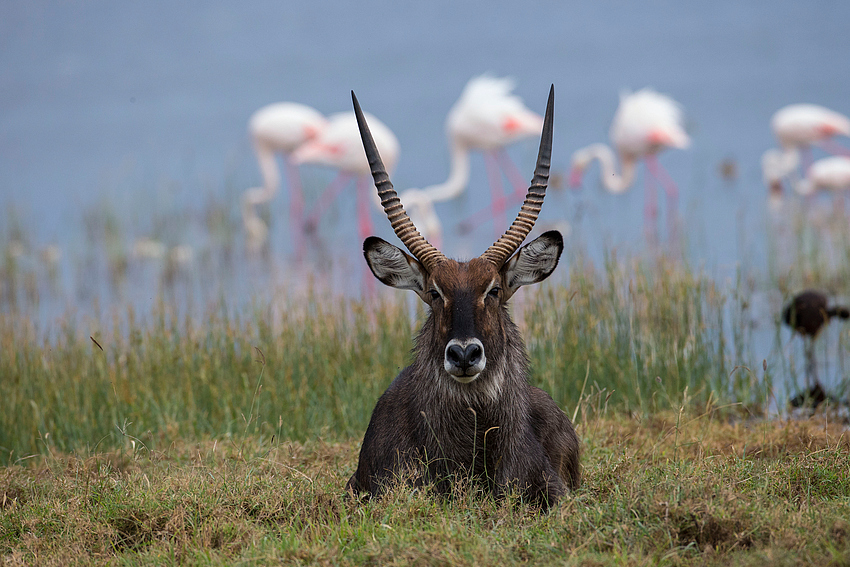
464, 359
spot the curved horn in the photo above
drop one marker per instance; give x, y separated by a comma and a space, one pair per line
509, 242
404, 228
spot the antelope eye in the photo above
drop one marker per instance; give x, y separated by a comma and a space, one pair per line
494, 292
435, 295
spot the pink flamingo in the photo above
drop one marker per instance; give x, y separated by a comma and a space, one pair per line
420, 208
830, 173
826, 174
487, 118
797, 127
645, 123
339, 146
802, 125
279, 129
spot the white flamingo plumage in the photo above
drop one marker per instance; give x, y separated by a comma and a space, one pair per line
645, 123
826, 174
487, 117
338, 146
830, 174
797, 127
420, 208
801, 125
278, 128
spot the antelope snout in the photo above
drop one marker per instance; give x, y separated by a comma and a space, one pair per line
464, 359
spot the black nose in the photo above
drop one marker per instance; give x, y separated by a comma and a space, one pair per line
464, 357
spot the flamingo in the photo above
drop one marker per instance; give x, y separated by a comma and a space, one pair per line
339, 146
487, 118
797, 127
279, 128
646, 122
802, 125
420, 208
826, 174
830, 173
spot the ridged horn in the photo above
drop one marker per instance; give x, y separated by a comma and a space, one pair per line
513, 238
404, 228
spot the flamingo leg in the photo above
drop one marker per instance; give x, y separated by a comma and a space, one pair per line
512, 173
364, 187
650, 208
806, 157
838, 203
672, 192
436, 236
296, 206
364, 220
496, 209
497, 192
475, 219
329, 195
437, 241
498, 206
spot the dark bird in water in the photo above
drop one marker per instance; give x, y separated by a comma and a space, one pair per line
807, 313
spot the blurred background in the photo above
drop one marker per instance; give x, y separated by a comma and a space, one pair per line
123, 127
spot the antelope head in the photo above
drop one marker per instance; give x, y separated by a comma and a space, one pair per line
468, 330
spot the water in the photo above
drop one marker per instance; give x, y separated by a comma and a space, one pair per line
140, 110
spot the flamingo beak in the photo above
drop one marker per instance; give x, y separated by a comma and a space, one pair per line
668, 139
315, 152
657, 138
511, 124
828, 130
310, 132
575, 178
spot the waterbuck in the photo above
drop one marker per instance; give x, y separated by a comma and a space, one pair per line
464, 407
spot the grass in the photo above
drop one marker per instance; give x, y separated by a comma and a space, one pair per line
677, 489
315, 367
225, 435
206, 378
611, 331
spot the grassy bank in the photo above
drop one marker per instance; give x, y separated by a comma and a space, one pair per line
226, 435
289, 373
640, 337
674, 489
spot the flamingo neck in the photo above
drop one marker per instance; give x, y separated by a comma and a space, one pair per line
778, 164
784, 164
458, 178
420, 208
803, 187
270, 173
367, 181
255, 228
611, 180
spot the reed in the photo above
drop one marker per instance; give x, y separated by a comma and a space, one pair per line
645, 335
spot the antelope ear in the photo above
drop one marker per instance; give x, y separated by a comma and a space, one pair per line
393, 266
533, 263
